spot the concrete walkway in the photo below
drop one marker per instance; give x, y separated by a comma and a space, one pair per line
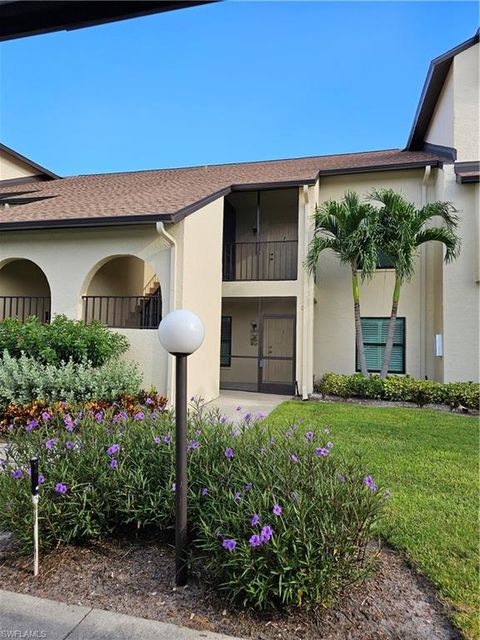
23, 616
249, 402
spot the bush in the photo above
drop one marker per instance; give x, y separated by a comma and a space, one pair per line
24, 379
400, 388
61, 340
316, 512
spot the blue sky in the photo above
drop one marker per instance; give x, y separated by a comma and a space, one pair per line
227, 82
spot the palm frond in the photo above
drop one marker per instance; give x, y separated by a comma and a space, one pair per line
317, 245
446, 236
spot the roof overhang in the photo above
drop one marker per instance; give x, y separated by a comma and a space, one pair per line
467, 172
20, 18
436, 76
42, 173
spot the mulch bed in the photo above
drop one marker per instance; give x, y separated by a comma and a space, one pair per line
136, 577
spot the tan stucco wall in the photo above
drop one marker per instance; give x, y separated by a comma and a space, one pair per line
199, 288
122, 276
440, 130
334, 332
22, 278
70, 258
11, 168
466, 92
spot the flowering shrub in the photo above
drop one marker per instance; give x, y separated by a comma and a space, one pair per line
61, 340
25, 379
400, 388
277, 516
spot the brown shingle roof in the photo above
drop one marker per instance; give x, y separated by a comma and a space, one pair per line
169, 194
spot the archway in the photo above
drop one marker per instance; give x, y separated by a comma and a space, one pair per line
123, 292
24, 291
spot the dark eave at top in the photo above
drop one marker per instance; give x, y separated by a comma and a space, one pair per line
436, 76
20, 18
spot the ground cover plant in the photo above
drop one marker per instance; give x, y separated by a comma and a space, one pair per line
430, 462
278, 515
400, 388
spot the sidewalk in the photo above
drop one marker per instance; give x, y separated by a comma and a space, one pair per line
23, 616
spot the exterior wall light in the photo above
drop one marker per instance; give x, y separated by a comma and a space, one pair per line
181, 333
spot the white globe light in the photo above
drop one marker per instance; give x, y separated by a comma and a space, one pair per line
181, 331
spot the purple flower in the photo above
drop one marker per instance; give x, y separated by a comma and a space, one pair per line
115, 448
369, 482
174, 486
309, 435
157, 440
31, 424
237, 495
139, 416
16, 474
260, 415
204, 491
113, 463
293, 427
266, 533
255, 540
41, 478
149, 401
61, 488
223, 419
255, 520
46, 415
234, 433
69, 424
293, 457
341, 478
167, 439
49, 444
248, 486
329, 445
194, 445
321, 452
99, 417
288, 434
238, 408
229, 452
229, 544
277, 510
248, 417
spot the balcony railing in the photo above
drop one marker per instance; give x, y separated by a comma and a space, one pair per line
124, 312
22, 307
275, 260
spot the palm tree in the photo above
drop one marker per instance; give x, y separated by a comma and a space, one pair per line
403, 228
348, 228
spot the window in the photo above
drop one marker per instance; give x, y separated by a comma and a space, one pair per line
375, 332
226, 342
384, 261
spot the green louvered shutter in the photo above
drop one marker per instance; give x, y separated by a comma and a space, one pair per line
375, 332
226, 342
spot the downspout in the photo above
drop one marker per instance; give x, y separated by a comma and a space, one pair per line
305, 305
170, 241
423, 282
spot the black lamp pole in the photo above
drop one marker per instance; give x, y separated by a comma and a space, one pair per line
181, 469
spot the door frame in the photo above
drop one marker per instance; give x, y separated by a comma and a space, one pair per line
271, 387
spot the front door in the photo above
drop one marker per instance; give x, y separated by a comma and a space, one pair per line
277, 354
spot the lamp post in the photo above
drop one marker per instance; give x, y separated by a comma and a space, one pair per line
181, 333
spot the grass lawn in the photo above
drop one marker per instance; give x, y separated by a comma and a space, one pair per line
430, 462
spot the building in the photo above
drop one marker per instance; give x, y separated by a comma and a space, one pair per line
229, 242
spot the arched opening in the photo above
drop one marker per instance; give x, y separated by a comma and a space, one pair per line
24, 291
124, 292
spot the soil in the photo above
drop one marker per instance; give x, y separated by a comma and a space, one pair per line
136, 577
318, 397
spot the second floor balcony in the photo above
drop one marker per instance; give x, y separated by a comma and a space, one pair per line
273, 260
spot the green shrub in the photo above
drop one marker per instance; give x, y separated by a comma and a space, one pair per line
24, 379
109, 473
400, 388
61, 340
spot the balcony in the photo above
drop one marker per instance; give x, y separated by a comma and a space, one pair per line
124, 312
248, 261
22, 307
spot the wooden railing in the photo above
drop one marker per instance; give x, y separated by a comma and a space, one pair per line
22, 307
124, 312
274, 260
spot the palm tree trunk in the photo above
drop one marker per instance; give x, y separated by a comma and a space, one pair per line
358, 324
391, 329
